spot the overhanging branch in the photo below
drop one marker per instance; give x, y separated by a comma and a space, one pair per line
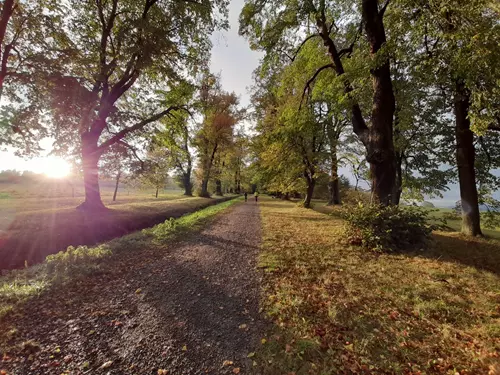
311, 80
122, 133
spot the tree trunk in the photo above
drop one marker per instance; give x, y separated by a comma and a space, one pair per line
333, 184
90, 159
380, 145
218, 187
311, 182
398, 186
116, 185
465, 162
156, 194
186, 181
204, 188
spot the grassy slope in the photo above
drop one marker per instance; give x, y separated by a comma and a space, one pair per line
72, 265
341, 310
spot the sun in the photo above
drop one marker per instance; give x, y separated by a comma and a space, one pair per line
55, 167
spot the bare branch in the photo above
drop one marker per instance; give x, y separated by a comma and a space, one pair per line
302, 45
382, 11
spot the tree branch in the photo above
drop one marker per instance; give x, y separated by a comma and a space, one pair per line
348, 51
382, 11
302, 45
122, 133
311, 80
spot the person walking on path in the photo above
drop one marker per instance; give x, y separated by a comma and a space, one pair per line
246, 196
256, 195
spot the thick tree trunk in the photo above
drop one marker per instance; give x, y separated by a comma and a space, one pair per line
186, 182
311, 182
465, 162
380, 146
117, 184
204, 188
218, 187
90, 159
333, 184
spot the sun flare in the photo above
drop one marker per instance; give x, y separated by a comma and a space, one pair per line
55, 167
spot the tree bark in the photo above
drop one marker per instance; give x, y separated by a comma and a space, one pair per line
333, 184
204, 188
90, 159
218, 187
380, 149
188, 187
116, 185
311, 182
398, 185
156, 194
465, 162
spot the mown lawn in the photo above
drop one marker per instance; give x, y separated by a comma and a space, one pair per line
338, 309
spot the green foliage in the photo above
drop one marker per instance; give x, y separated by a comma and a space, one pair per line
73, 259
391, 228
451, 215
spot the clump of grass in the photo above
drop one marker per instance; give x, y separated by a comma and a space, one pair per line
341, 310
18, 286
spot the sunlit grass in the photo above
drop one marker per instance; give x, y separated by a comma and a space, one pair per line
339, 309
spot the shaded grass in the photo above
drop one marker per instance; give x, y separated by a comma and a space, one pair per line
19, 286
342, 310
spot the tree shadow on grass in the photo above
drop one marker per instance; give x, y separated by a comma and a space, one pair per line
479, 253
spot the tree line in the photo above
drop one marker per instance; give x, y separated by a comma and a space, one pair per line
411, 86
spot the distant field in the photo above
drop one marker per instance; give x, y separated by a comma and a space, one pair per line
35, 223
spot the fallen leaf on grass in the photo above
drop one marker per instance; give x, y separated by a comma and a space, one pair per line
236, 370
138, 291
263, 341
184, 348
106, 365
250, 355
227, 363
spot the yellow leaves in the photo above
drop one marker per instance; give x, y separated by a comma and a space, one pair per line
251, 355
184, 348
138, 291
162, 372
263, 341
227, 363
243, 326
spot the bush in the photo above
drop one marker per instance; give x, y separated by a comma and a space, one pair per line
389, 228
79, 259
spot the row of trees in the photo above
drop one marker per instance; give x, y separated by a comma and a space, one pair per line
411, 85
102, 76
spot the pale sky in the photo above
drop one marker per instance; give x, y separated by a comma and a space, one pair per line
232, 57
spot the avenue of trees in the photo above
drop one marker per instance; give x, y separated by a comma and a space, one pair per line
411, 86
404, 94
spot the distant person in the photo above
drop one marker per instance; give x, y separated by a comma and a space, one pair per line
246, 196
256, 195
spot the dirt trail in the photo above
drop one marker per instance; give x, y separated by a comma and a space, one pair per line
186, 310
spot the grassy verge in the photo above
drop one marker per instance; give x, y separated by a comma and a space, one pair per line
341, 310
19, 286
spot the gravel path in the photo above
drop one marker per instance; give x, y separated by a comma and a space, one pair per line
192, 309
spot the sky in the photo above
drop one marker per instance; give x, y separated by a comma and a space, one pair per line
233, 58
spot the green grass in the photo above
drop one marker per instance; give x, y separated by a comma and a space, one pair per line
19, 286
338, 309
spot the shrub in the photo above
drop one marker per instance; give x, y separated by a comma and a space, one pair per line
389, 228
76, 260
